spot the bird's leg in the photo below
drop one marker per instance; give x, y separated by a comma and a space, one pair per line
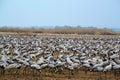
24, 72
100, 75
56, 70
105, 75
85, 71
59, 70
69, 74
3, 72
39, 71
53, 70
16, 71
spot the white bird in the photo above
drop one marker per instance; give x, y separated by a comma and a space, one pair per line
115, 65
43, 66
32, 56
35, 66
51, 65
86, 65
76, 65
75, 60
108, 67
99, 68
117, 61
41, 61
3, 64
16, 51
114, 56
59, 63
13, 66
10, 66
69, 62
100, 64
4, 57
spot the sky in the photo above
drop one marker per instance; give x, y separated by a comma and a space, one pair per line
27, 13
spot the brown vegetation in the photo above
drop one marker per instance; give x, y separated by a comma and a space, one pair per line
61, 31
46, 75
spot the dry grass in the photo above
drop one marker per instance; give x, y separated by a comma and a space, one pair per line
46, 75
61, 31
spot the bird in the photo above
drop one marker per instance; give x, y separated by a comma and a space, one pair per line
35, 67
68, 61
108, 67
41, 61
114, 56
13, 66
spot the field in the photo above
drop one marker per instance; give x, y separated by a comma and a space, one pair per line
79, 75
59, 34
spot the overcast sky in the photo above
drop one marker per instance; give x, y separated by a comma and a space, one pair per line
97, 13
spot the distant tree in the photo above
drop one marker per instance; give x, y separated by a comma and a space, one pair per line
78, 26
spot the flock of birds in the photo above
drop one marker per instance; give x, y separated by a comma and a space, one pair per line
58, 54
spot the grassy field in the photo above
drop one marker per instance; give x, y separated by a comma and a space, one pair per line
60, 33
46, 75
